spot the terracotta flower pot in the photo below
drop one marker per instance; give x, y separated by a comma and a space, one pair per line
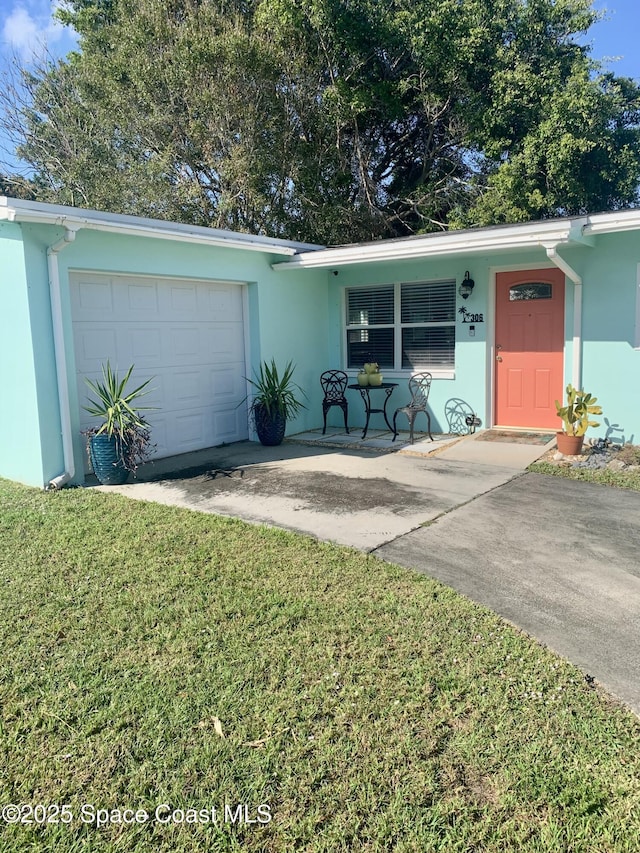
569, 445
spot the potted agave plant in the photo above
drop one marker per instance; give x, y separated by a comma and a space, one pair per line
576, 418
123, 440
274, 401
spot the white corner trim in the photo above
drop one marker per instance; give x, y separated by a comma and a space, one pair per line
636, 343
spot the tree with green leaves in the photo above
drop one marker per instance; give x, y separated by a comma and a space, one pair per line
17, 186
330, 121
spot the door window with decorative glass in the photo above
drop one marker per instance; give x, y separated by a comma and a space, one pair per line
404, 326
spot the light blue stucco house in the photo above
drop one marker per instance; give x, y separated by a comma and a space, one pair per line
198, 309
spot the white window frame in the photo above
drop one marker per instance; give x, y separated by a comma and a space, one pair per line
438, 371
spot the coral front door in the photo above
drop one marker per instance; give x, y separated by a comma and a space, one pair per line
529, 348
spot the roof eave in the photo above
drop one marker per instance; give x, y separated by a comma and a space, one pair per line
610, 223
34, 213
531, 235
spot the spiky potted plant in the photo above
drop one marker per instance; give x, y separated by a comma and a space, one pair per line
273, 401
576, 418
123, 440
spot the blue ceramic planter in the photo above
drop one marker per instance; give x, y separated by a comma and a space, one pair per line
107, 467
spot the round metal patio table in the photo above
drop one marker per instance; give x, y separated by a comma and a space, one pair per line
364, 390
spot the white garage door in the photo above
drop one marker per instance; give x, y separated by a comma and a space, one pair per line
187, 335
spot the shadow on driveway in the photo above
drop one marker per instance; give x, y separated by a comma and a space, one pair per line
351, 497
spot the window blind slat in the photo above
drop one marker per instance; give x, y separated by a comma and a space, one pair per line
370, 306
431, 347
365, 345
424, 303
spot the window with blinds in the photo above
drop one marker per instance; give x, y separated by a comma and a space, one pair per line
370, 326
402, 326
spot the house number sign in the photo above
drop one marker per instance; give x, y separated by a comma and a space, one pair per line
467, 317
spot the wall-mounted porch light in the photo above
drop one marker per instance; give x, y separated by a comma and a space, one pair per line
466, 288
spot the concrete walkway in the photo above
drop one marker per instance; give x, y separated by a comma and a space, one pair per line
556, 557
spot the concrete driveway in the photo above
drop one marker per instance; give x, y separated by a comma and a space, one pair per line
351, 497
556, 557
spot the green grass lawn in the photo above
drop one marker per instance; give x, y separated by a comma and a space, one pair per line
621, 479
153, 656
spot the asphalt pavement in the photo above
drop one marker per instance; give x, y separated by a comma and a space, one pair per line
556, 557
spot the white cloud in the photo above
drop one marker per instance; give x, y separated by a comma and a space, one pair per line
30, 26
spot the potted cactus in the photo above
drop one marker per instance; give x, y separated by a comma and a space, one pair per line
576, 418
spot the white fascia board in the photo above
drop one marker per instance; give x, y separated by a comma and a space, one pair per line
501, 238
610, 223
17, 210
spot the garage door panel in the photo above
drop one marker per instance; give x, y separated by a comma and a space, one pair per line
182, 301
131, 298
223, 302
195, 387
141, 299
228, 383
156, 398
191, 387
188, 336
189, 428
94, 299
159, 434
185, 345
226, 424
91, 344
227, 342
210, 302
144, 345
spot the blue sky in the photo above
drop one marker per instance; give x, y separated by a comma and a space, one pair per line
26, 24
617, 36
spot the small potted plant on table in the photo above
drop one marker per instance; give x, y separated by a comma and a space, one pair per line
123, 439
575, 415
372, 373
274, 401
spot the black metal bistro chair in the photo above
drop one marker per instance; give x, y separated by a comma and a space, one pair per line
419, 387
334, 384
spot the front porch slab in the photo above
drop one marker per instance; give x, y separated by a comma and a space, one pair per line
377, 440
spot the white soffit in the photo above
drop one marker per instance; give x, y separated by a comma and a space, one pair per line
75, 219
